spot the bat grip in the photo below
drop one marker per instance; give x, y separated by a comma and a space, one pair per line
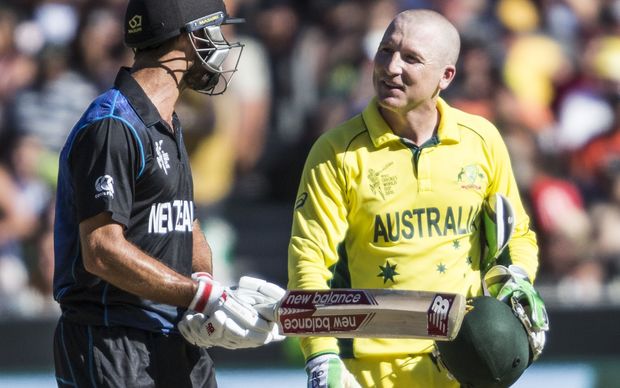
269, 311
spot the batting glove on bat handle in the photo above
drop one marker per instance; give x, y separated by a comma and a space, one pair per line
262, 295
217, 317
328, 371
223, 331
257, 291
211, 296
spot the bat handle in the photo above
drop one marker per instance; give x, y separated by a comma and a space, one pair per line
269, 311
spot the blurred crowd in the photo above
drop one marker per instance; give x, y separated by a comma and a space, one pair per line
546, 72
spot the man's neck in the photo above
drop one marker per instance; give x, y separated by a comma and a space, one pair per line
161, 83
418, 125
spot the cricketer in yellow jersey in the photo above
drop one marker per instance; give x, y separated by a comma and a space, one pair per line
392, 199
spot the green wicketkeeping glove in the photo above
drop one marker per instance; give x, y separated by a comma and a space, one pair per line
512, 286
328, 371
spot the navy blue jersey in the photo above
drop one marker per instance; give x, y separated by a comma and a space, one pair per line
123, 159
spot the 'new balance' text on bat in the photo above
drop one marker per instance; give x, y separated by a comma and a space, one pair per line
375, 313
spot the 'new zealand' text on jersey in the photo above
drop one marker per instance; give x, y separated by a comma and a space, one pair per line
121, 158
375, 211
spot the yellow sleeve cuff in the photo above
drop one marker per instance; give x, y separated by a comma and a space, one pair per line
311, 346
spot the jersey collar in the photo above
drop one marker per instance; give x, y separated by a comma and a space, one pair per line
136, 97
448, 129
381, 133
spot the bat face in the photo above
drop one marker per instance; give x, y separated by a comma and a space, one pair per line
314, 312
371, 313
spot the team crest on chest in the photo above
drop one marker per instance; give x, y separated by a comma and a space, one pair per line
162, 157
382, 183
471, 177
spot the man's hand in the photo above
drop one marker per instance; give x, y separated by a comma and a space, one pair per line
512, 286
328, 371
257, 291
220, 330
217, 317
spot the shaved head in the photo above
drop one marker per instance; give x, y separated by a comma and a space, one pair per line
415, 61
446, 42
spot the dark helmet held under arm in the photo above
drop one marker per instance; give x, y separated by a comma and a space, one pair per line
491, 349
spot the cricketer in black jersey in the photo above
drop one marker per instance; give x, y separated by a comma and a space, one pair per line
123, 159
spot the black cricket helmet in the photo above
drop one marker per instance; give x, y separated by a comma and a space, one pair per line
149, 23
491, 349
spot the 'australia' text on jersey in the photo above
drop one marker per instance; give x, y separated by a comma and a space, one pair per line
175, 216
425, 222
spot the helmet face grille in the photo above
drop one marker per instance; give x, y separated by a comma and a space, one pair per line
218, 57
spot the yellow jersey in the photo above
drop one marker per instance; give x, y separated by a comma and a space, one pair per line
373, 210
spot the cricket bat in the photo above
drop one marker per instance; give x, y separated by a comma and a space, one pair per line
368, 313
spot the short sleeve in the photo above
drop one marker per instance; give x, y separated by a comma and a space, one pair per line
103, 164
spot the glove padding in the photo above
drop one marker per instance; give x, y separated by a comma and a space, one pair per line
512, 285
220, 330
217, 317
263, 296
257, 291
328, 371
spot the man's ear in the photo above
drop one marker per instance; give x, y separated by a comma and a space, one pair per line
448, 75
183, 43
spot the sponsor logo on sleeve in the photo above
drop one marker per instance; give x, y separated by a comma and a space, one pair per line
301, 200
104, 186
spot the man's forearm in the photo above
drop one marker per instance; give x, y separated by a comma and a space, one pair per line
108, 255
202, 257
132, 270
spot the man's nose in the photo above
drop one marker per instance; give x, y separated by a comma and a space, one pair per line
394, 64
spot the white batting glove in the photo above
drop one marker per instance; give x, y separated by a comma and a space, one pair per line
219, 330
218, 318
328, 371
258, 292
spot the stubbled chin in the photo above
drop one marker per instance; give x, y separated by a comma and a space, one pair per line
390, 100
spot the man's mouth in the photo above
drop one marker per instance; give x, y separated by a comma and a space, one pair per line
393, 85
